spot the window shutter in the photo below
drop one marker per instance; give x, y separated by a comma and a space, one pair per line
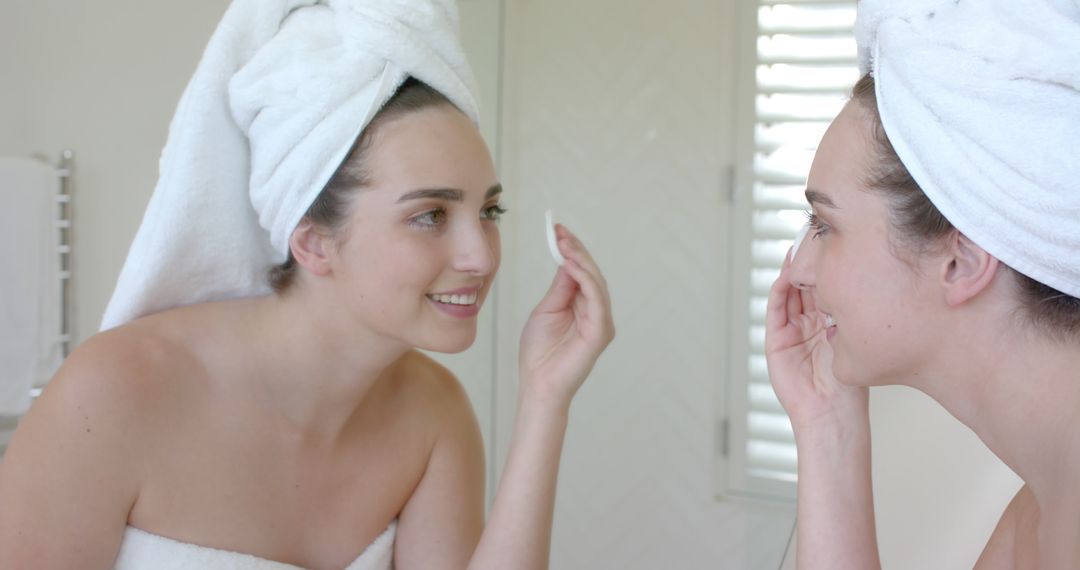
797, 79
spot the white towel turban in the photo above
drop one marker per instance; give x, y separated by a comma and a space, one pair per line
281, 94
981, 100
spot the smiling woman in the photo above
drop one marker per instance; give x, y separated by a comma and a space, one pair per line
330, 208
229, 418
950, 267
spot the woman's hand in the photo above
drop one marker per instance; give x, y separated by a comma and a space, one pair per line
800, 360
568, 329
831, 422
562, 339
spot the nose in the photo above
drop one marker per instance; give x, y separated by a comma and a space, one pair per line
476, 249
801, 274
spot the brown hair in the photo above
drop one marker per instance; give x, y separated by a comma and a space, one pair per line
919, 225
331, 206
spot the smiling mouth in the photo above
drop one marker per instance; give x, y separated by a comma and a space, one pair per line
461, 300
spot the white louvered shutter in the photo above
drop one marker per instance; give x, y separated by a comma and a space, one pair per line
797, 79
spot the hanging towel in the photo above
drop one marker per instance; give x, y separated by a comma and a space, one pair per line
981, 100
283, 90
30, 289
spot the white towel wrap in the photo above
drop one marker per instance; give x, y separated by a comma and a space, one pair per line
281, 94
981, 100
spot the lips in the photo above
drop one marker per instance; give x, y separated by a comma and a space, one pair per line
464, 297
459, 303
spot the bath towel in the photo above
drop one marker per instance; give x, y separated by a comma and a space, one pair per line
981, 99
141, 550
281, 93
30, 349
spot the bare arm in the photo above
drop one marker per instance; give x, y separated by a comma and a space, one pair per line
835, 519
442, 521
441, 525
518, 534
835, 500
67, 480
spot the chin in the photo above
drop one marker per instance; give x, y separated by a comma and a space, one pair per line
848, 377
449, 343
861, 376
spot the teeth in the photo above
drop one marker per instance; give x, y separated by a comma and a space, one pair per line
469, 299
829, 322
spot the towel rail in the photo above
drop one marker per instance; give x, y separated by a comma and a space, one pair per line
62, 224
64, 249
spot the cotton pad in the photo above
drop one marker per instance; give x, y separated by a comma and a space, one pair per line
553, 244
799, 239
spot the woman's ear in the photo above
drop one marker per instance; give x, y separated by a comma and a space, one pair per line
309, 245
968, 269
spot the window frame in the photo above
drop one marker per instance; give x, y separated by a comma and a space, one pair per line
741, 474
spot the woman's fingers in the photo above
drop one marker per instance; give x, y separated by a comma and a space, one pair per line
794, 303
777, 312
594, 309
795, 298
592, 291
560, 294
809, 305
572, 248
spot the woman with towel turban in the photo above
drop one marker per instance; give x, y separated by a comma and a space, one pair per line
944, 255
326, 206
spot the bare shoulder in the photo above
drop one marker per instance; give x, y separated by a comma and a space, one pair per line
431, 395
118, 376
425, 381
441, 522
105, 397
74, 464
1013, 543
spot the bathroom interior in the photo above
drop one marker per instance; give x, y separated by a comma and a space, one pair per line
674, 137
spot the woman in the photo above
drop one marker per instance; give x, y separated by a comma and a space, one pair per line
944, 254
300, 426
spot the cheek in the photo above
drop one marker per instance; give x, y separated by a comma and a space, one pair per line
836, 279
856, 288
387, 265
495, 243
413, 263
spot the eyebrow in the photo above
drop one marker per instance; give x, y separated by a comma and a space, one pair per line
816, 197
447, 194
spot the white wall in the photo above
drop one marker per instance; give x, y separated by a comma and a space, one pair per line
938, 490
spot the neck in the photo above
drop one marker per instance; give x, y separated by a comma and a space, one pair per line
1020, 392
314, 365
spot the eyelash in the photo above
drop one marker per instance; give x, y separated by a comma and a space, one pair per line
491, 213
819, 227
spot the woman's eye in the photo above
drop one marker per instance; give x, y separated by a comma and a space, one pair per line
493, 212
816, 224
430, 219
